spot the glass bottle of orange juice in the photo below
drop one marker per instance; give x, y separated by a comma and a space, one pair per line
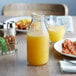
37, 41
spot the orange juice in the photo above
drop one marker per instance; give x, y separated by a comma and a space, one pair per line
56, 33
37, 48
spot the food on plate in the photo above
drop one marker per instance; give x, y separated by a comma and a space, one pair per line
23, 24
69, 47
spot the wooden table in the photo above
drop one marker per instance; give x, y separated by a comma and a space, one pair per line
16, 64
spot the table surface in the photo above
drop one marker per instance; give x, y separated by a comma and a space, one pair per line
16, 64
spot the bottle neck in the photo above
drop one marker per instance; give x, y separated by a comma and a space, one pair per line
38, 18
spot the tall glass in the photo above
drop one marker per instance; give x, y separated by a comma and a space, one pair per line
56, 32
37, 41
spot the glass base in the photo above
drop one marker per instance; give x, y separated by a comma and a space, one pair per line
30, 64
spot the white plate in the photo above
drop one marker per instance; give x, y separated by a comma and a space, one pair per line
58, 47
15, 19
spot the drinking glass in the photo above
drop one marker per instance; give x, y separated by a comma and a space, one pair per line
56, 32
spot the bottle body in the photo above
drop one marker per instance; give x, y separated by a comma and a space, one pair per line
37, 49
37, 44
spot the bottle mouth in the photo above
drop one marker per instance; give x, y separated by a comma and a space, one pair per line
37, 14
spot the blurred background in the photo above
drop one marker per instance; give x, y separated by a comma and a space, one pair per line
71, 4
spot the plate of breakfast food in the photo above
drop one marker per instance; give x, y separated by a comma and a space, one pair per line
22, 23
66, 47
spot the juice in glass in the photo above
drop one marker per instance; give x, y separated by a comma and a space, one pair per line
56, 33
37, 48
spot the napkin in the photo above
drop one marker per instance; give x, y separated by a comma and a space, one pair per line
61, 20
67, 67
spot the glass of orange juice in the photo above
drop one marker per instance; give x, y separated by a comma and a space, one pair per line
37, 42
56, 32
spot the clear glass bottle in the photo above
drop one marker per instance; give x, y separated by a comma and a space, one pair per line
9, 38
37, 41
